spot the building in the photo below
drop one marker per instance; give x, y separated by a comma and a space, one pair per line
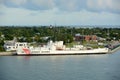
79, 37
13, 45
87, 38
90, 38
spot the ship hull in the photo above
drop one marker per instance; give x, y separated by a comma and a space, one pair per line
63, 52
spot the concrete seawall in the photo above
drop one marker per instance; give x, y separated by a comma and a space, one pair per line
6, 53
114, 50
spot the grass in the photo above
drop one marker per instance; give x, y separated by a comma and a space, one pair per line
71, 44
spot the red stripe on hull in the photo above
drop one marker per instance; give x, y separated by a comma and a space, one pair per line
27, 51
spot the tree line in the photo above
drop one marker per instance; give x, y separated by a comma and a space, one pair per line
55, 33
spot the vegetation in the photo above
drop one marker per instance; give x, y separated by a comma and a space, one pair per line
1, 45
42, 34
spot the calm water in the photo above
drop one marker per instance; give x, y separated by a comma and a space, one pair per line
72, 67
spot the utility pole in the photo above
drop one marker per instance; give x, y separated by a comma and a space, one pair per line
55, 31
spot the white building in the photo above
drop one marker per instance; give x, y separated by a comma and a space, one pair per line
12, 46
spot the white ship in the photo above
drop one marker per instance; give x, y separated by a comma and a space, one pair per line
58, 48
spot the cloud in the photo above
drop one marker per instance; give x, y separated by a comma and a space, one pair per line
29, 4
104, 5
18, 2
19, 16
70, 5
13, 3
39, 4
66, 5
1, 13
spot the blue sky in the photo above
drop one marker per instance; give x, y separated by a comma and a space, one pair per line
61, 12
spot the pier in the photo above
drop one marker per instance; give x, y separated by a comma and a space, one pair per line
6, 53
115, 49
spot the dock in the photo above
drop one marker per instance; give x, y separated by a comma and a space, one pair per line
6, 53
115, 49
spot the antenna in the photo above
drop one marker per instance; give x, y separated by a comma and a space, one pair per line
108, 33
55, 31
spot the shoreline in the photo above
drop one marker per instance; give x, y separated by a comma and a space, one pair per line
6, 53
114, 50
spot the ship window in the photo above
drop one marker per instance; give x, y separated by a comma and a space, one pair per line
20, 44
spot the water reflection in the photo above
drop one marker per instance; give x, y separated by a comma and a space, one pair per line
27, 58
